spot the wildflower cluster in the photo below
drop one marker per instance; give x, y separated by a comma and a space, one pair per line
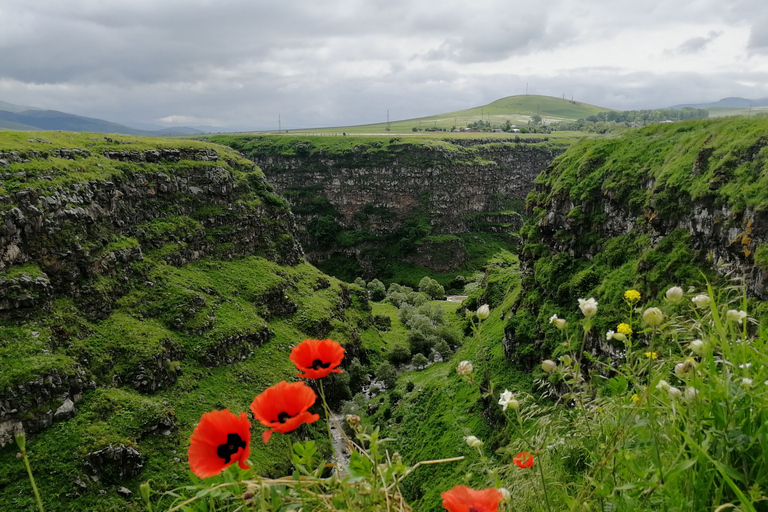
223, 438
687, 381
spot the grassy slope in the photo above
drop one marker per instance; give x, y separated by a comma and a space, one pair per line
430, 421
516, 109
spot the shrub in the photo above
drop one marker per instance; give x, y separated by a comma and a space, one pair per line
387, 374
419, 361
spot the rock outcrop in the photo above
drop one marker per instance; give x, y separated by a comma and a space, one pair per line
355, 196
653, 209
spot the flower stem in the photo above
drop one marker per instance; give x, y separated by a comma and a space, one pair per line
32, 481
519, 427
328, 422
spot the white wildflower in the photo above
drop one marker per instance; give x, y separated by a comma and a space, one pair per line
674, 294
588, 307
701, 300
506, 400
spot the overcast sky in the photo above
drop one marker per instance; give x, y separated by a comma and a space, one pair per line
239, 64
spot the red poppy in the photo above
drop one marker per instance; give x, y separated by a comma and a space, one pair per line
464, 499
317, 358
220, 439
523, 460
284, 407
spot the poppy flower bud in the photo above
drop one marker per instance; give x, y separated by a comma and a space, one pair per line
483, 312
674, 294
473, 442
352, 419
701, 300
663, 385
465, 368
653, 317
674, 392
548, 366
506, 496
697, 346
20, 437
690, 394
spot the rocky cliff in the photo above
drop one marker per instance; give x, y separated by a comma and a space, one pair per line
142, 282
653, 208
354, 196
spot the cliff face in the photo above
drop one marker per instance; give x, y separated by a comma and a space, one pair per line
76, 223
142, 283
649, 210
351, 194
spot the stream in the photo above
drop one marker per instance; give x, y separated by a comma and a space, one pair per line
340, 451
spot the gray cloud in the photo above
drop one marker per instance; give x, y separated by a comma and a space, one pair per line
241, 63
696, 44
758, 37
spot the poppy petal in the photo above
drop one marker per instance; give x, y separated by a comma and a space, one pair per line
219, 440
317, 358
464, 499
284, 407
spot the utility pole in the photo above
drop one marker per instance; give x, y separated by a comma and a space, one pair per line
279, 125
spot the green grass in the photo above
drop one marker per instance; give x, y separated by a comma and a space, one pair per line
431, 421
144, 325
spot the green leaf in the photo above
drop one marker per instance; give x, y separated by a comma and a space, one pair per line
680, 467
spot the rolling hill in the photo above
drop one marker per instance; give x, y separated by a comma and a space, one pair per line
20, 117
515, 109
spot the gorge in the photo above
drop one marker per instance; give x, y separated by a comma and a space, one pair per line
144, 282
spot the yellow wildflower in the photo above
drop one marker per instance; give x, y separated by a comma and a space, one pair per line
632, 295
651, 355
635, 399
624, 329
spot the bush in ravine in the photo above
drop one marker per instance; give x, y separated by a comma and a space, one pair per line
399, 353
431, 288
358, 375
387, 374
419, 361
377, 290
382, 322
442, 348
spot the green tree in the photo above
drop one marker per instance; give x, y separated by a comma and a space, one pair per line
387, 374
442, 348
419, 361
431, 288
358, 375
377, 290
399, 353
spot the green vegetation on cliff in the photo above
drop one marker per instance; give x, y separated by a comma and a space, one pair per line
657, 206
147, 282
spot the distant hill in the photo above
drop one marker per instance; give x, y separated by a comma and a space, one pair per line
19, 117
515, 109
732, 102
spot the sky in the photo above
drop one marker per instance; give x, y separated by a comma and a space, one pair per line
255, 64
